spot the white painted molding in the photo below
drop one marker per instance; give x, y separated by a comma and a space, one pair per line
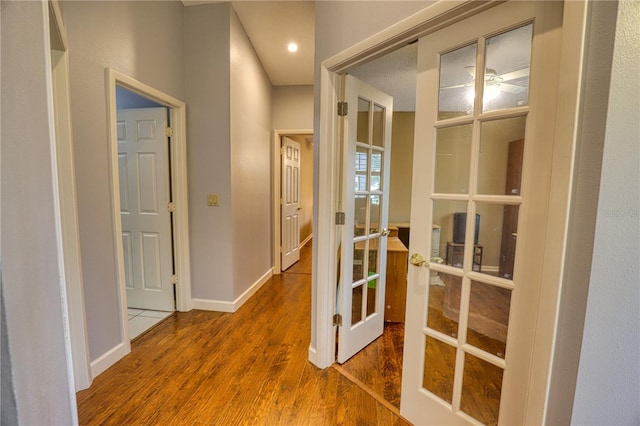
109, 358
226, 306
313, 355
179, 188
305, 241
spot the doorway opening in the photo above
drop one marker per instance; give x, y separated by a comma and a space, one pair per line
149, 199
378, 367
292, 196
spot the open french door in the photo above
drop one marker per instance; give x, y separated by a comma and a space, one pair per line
484, 83
366, 153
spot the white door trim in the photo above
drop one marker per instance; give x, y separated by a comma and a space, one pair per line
432, 18
275, 205
177, 111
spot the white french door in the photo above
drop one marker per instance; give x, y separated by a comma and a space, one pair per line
143, 173
486, 98
367, 150
290, 179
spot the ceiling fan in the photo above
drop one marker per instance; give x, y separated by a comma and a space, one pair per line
492, 79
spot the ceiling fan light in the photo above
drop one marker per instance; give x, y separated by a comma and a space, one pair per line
491, 92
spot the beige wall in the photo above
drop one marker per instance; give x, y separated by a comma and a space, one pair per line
401, 167
292, 107
306, 184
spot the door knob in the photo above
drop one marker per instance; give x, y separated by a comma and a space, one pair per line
385, 232
418, 260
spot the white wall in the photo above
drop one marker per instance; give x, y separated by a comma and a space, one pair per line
208, 95
31, 277
608, 385
251, 130
292, 107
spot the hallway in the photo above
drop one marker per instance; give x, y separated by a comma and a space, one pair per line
250, 367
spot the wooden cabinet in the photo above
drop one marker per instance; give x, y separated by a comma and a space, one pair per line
396, 287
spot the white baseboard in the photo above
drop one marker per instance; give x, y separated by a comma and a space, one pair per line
109, 358
313, 355
224, 306
212, 305
306, 240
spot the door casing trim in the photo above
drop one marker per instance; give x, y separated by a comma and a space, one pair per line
178, 153
277, 173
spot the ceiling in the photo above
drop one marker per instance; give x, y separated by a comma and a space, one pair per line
271, 26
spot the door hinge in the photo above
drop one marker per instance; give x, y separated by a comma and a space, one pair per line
282, 150
337, 320
174, 279
281, 201
340, 218
343, 108
168, 132
171, 207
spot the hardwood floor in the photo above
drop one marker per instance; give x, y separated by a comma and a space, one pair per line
249, 367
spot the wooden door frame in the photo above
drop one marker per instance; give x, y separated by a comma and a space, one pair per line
431, 19
275, 205
178, 179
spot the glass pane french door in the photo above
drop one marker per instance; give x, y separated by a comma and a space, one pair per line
367, 149
469, 335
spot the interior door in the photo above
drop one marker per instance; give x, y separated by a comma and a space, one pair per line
143, 171
469, 344
290, 241
367, 149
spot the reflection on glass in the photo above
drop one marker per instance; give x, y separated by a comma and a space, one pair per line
444, 213
501, 155
457, 74
453, 155
506, 79
356, 304
358, 260
498, 232
376, 170
362, 160
373, 256
439, 367
374, 214
362, 126
359, 215
481, 390
488, 318
378, 126
371, 296
444, 305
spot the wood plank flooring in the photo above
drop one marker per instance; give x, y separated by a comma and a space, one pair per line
250, 367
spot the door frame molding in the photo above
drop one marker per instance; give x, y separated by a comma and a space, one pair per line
178, 154
431, 19
275, 205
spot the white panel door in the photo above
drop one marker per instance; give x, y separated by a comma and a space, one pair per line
367, 152
143, 171
290, 228
482, 84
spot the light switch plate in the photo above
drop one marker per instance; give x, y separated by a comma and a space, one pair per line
212, 200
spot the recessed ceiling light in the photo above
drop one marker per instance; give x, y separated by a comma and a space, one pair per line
292, 47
